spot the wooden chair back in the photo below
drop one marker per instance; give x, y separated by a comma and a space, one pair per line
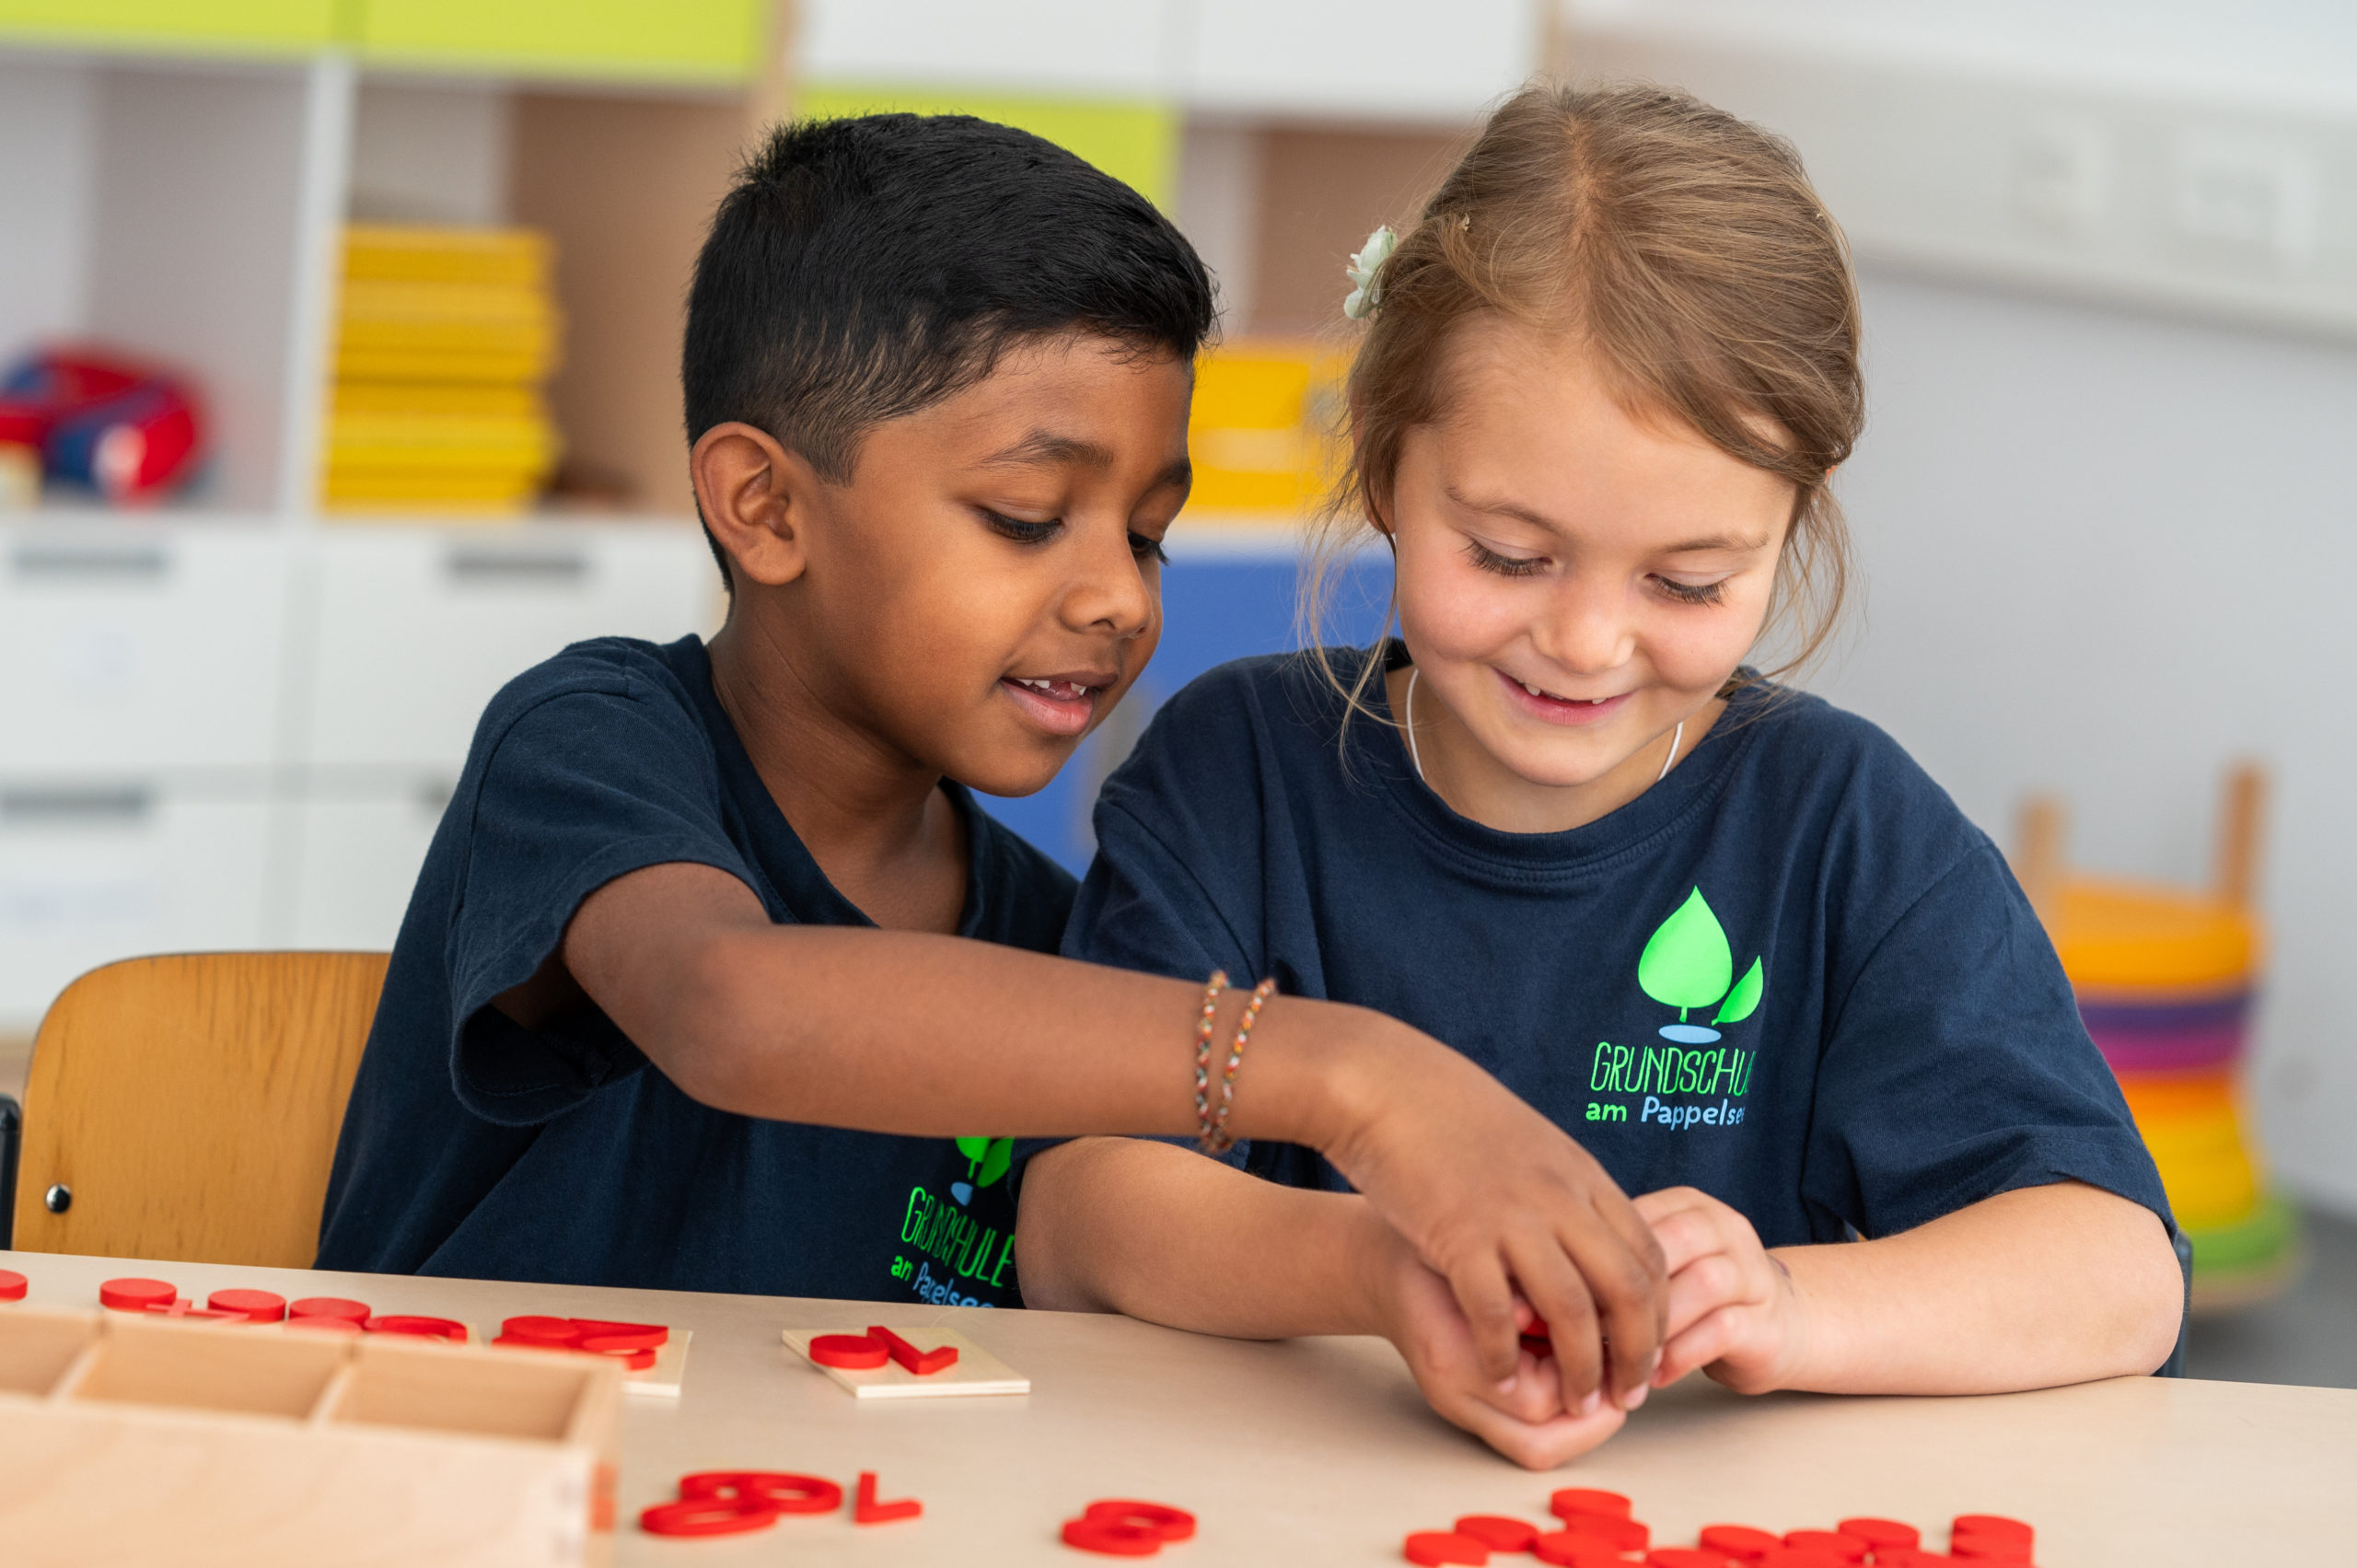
190, 1104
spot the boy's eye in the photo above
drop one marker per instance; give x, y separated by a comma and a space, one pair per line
1489, 559
1147, 548
1692, 593
1017, 530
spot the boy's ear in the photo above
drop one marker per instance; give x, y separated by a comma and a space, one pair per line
755, 497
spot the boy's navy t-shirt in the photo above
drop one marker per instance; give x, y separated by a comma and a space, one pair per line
1791, 973
473, 1146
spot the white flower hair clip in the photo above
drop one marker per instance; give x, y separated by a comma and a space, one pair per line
1366, 270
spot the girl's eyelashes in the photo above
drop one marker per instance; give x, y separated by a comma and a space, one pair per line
1489, 559
1692, 593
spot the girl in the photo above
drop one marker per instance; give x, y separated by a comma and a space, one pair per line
1729, 937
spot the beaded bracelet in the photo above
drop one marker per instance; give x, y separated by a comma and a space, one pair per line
1215, 1139
1203, 1049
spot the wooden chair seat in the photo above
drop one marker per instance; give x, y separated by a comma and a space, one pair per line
190, 1104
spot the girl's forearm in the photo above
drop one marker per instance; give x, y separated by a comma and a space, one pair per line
2030, 1289
1158, 1232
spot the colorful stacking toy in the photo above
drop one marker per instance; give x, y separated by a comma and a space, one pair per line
2166, 978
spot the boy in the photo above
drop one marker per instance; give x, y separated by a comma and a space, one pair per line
641, 1028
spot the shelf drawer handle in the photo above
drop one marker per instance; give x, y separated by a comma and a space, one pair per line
89, 563
71, 805
547, 568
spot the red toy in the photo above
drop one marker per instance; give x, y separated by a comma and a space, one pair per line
866, 1510
254, 1305
136, 1295
920, 1363
104, 423
776, 1490
1436, 1548
1497, 1532
851, 1352
12, 1285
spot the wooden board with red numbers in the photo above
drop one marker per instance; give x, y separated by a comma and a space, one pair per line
1321, 1451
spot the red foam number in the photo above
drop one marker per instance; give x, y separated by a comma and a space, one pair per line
1165, 1522
923, 1363
785, 1493
866, 1510
1112, 1538
705, 1516
849, 1353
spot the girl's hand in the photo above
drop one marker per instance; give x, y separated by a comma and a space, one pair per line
1522, 1417
1498, 1200
1733, 1309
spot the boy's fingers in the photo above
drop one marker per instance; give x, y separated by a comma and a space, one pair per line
1485, 1296
1629, 1292
1562, 1296
1537, 1446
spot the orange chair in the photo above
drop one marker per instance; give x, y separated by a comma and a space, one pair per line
186, 1107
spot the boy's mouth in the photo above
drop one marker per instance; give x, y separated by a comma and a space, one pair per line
1060, 704
1544, 704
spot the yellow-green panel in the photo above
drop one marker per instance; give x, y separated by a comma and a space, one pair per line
690, 40
210, 27
1135, 143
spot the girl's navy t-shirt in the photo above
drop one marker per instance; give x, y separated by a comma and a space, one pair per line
473, 1146
1791, 973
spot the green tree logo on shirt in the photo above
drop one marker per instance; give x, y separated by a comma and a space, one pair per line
1687, 964
986, 1161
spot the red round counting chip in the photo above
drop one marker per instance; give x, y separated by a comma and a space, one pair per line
12, 1285
779, 1490
1849, 1549
1993, 1527
1435, 1548
849, 1353
1881, 1534
1803, 1557
1570, 1549
254, 1305
1169, 1523
1622, 1535
426, 1328
1497, 1532
1739, 1541
1586, 1500
329, 1307
1112, 1538
1908, 1557
136, 1295
705, 1516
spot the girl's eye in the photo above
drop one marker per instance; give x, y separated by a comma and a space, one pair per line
1020, 532
1489, 559
1148, 549
1692, 593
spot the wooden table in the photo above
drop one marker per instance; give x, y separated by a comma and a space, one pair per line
1321, 1451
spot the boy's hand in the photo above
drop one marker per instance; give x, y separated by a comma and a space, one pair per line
1732, 1310
1498, 1200
1522, 1418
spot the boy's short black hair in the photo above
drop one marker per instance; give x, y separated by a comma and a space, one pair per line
865, 268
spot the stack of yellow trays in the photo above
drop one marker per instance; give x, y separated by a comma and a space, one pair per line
1263, 434
446, 338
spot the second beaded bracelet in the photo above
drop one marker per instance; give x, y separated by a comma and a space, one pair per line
1214, 1138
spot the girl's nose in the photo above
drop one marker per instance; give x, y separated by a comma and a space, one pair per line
1586, 628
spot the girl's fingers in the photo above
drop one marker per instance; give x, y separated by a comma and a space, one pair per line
1701, 1287
1686, 1225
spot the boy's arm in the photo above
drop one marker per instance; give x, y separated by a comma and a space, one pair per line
2028, 1289
896, 1031
1123, 1225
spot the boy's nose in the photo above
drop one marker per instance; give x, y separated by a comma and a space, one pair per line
1109, 590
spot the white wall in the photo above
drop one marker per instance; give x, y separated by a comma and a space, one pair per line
46, 137
2107, 553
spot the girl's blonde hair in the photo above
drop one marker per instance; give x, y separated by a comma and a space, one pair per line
1687, 250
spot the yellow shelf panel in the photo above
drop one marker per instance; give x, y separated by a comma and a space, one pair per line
1135, 143
273, 27
684, 41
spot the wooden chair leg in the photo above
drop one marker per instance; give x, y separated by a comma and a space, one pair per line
2242, 818
2038, 838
